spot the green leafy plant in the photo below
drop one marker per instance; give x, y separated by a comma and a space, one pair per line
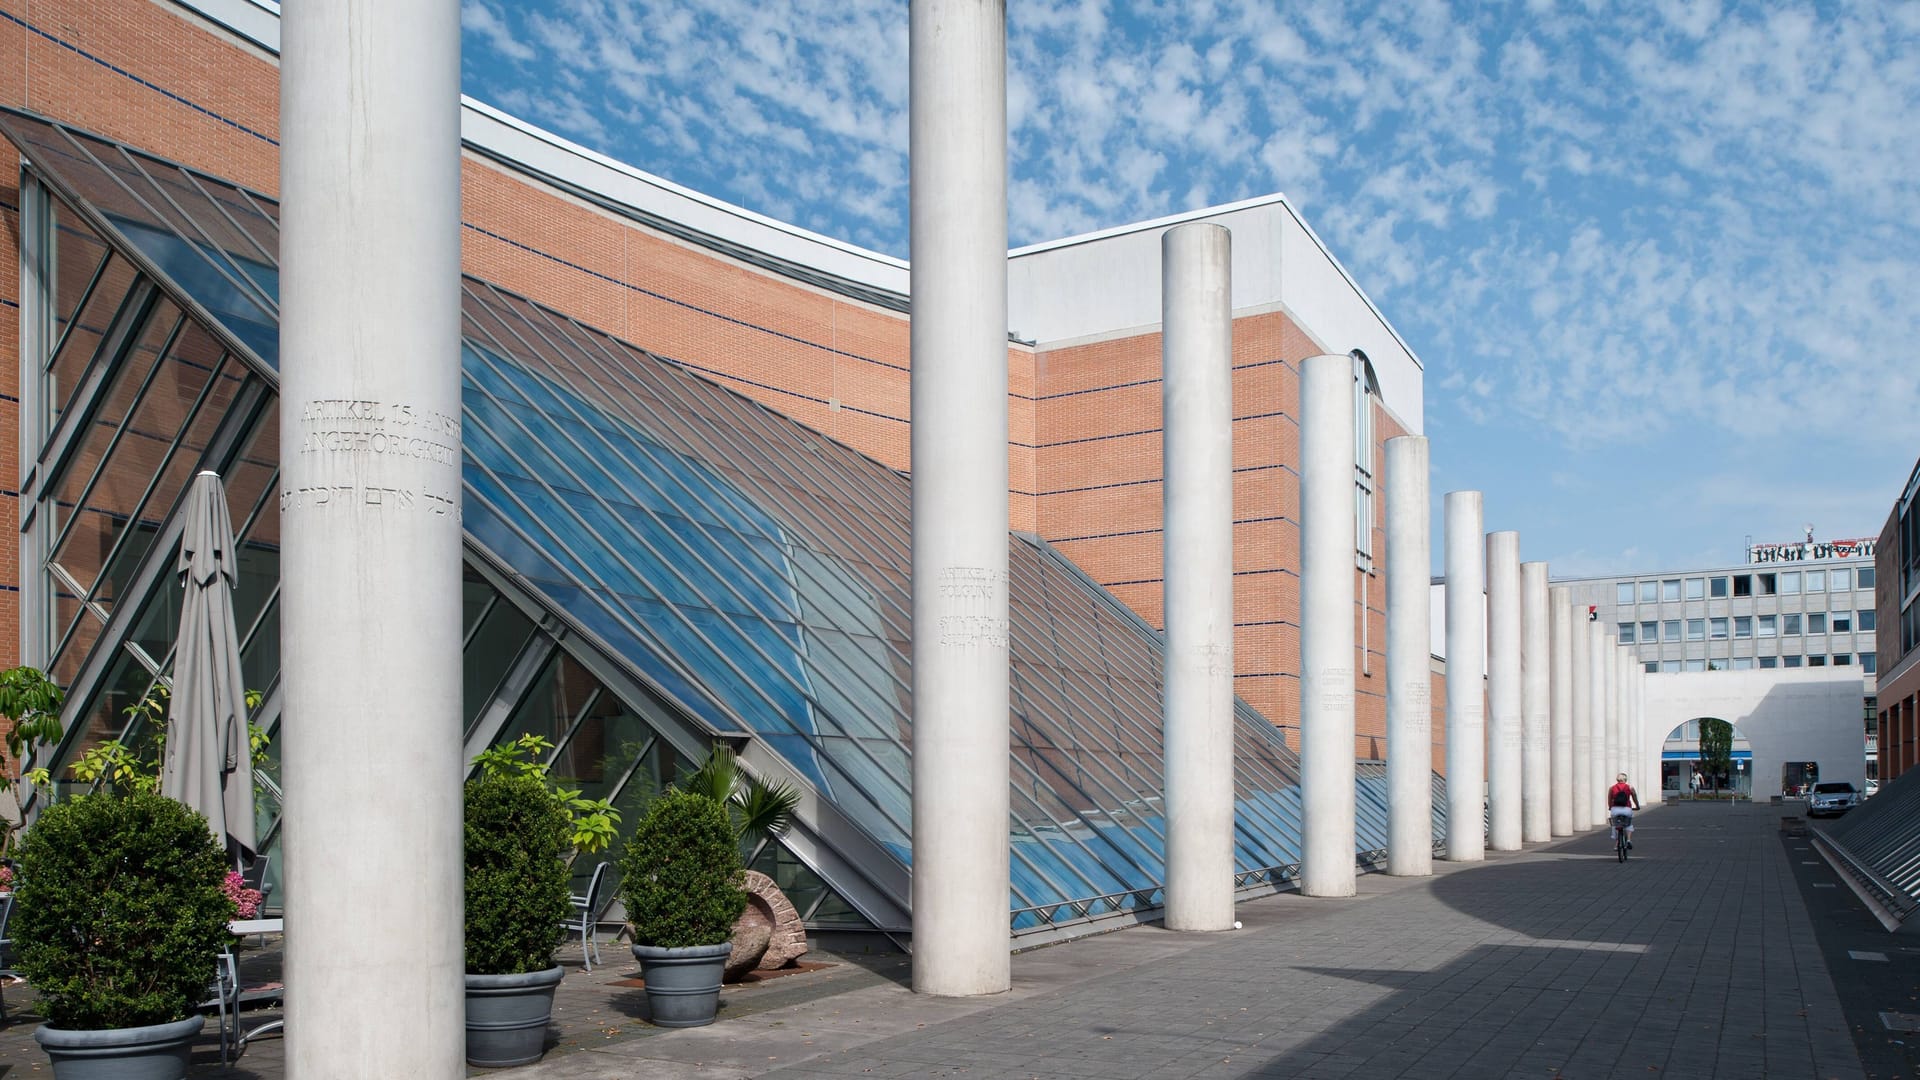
680, 873
135, 768
119, 766
30, 702
517, 838
121, 911
757, 810
592, 823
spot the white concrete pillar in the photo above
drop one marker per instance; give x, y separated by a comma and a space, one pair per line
1409, 654
1630, 670
1503, 691
1645, 766
370, 345
1197, 554
1613, 707
1597, 762
1327, 862
1536, 706
1651, 743
1561, 600
1637, 756
1585, 799
1616, 730
1465, 566
1629, 744
957, 131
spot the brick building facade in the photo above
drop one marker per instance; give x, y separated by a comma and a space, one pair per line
1897, 562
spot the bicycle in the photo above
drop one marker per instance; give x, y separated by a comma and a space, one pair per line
1620, 842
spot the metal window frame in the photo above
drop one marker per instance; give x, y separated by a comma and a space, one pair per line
1366, 389
39, 277
154, 567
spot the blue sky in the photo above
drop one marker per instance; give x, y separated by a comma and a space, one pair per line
1661, 260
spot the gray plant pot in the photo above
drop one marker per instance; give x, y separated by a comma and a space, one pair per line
155, 1052
507, 1017
683, 985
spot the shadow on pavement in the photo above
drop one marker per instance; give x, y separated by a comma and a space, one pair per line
1679, 962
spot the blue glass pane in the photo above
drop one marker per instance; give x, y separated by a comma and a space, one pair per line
190, 265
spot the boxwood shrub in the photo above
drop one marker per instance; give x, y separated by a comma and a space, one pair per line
680, 874
119, 913
517, 843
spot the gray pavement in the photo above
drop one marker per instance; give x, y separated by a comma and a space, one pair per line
1694, 959
1697, 958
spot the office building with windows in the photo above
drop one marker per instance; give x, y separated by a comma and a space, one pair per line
1798, 605
1816, 612
684, 462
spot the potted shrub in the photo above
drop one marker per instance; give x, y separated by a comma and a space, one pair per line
517, 840
759, 813
119, 923
680, 878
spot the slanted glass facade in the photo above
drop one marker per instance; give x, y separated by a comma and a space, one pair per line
654, 563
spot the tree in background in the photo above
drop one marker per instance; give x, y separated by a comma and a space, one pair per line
1716, 751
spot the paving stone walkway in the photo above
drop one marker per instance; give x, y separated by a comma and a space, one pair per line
1695, 959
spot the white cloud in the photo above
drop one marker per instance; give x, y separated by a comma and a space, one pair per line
1607, 223
484, 19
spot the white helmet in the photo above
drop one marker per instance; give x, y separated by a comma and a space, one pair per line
1622, 778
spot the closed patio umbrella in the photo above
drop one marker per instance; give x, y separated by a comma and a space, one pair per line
208, 763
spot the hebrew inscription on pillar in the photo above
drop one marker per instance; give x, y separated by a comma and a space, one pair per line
370, 451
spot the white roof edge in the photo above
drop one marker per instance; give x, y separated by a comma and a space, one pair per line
595, 159
256, 20
1157, 223
1276, 199
1355, 285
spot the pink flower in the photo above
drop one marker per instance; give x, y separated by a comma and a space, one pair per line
246, 902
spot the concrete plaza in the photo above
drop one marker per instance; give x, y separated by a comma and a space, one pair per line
1714, 952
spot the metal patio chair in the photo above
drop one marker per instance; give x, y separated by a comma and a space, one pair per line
585, 919
6, 950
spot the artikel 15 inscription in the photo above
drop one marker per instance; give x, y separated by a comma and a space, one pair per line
352, 426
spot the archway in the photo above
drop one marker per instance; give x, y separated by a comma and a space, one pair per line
1786, 716
1693, 769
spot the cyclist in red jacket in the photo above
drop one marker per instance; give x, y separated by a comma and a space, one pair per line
1622, 801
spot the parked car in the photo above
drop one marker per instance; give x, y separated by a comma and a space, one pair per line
1832, 798
1873, 788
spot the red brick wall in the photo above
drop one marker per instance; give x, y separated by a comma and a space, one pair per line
1899, 701
1899, 693
1099, 463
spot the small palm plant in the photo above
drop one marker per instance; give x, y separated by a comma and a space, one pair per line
758, 811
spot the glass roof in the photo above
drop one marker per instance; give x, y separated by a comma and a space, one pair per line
749, 569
